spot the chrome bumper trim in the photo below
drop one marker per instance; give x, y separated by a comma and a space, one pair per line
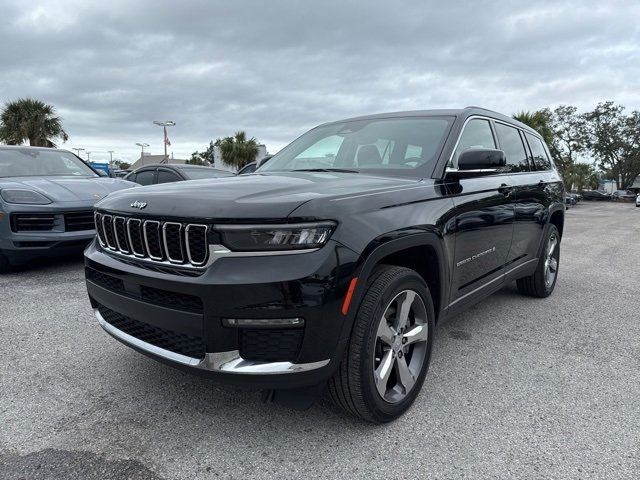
226, 362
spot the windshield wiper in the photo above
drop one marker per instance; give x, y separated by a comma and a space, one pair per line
339, 170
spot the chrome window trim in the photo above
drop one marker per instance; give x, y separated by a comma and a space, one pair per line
146, 239
186, 241
140, 222
164, 240
225, 362
115, 233
464, 125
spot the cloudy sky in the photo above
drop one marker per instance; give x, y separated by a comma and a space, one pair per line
276, 68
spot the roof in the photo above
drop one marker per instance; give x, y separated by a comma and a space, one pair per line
183, 166
460, 112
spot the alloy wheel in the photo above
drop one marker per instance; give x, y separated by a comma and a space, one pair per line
551, 261
401, 346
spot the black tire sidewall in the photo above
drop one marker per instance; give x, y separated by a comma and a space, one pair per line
382, 410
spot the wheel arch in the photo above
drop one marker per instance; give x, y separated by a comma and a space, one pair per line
556, 217
423, 252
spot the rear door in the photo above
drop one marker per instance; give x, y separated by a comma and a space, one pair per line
484, 220
167, 176
528, 194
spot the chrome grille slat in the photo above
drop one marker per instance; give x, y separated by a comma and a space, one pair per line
173, 242
134, 232
196, 258
100, 229
109, 235
119, 232
153, 241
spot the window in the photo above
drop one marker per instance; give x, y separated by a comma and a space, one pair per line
145, 177
398, 145
513, 148
165, 176
539, 153
477, 134
33, 162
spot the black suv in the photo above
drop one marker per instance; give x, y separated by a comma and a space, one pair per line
331, 265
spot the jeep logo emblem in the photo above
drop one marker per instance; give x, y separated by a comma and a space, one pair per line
138, 204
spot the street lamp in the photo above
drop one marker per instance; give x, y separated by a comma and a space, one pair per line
142, 145
164, 125
78, 150
88, 153
111, 152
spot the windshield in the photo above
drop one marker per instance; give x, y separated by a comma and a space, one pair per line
394, 145
33, 162
202, 173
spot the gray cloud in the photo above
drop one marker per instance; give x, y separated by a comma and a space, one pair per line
276, 68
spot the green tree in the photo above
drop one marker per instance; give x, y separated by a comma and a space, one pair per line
237, 151
582, 176
28, 119
202, 158
613, 139
564, 132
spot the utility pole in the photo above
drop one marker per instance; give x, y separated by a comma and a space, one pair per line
164, 125
88, 153
78, 150
111, 158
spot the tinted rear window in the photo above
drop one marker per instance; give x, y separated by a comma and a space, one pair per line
539, 153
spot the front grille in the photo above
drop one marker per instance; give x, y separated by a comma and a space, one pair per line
188, 345
270, 345
166, 242
78, 221
32, 222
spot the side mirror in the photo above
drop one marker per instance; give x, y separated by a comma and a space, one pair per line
481, 159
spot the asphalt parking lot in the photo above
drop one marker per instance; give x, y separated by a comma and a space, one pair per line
518, 388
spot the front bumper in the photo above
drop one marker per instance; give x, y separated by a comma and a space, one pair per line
309, 286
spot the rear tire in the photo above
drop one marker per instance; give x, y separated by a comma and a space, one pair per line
543, 280
388, 354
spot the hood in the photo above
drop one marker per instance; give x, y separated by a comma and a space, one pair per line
68, 189
273, 195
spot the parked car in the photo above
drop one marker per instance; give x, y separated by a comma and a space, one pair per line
595, 195
46, 203
638, 200
153, 174
569, 200
623, 196
332, 267
253, 166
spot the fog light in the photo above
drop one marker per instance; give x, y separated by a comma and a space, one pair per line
263, 322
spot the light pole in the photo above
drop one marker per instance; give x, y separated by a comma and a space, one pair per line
111, 152
142, 145
164, 125
78, 150
88, 153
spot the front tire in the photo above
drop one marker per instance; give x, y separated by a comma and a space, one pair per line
388, 354
543, 280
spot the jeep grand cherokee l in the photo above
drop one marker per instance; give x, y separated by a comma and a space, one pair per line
331, 265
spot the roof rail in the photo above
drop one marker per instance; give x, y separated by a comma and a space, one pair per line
481, 108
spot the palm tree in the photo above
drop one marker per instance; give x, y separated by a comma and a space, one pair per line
32, 120
541, 121
581, 176
237, 151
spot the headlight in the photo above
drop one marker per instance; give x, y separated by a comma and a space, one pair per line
27, 197
252, 238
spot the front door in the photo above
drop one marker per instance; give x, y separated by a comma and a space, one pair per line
485, 212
